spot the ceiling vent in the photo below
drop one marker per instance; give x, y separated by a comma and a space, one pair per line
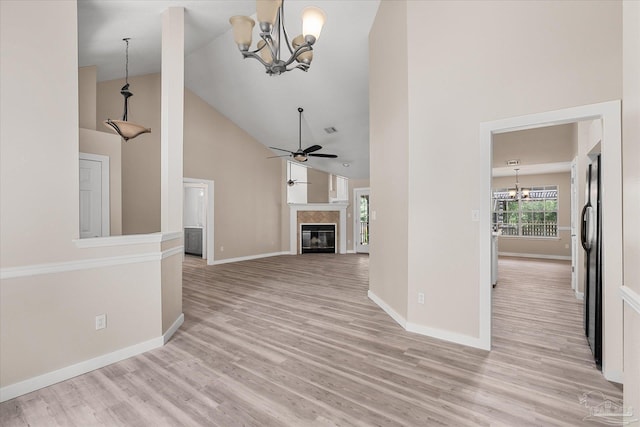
330, 130
514, 162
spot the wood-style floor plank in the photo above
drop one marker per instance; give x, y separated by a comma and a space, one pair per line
294, 341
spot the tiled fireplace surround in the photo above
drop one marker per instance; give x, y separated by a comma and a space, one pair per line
318, 213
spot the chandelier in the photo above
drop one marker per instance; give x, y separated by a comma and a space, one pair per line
125, 129
518, 193
270, 14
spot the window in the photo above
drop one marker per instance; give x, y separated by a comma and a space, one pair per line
533, 216
338, 188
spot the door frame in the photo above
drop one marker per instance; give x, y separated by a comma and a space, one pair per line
356, 219
207, 249
610, 114
104, 177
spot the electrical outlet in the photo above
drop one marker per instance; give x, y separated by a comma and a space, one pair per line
420, 297
475, 215
221, 248
101, 321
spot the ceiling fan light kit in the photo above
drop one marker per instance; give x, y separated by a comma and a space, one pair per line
303, 155
270, 14
124, 128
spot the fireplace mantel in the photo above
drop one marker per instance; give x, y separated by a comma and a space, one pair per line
294, 208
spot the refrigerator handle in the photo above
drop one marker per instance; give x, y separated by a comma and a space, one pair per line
584, 230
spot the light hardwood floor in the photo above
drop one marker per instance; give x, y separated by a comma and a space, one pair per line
294, 341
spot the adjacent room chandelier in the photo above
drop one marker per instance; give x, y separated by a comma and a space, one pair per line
270, 14
124, 128
518, 192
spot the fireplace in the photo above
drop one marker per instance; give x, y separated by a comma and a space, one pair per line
318, 238
316, 214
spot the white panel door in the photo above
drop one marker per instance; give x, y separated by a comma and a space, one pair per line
90, 198
361, 218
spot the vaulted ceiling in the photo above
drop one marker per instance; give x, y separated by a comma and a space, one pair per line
334, 92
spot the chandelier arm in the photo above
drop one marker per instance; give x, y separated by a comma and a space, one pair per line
301, 49
273, 46
303, 67
284, 29
255, 56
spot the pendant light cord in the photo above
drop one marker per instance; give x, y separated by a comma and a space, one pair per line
125, 89
126, 64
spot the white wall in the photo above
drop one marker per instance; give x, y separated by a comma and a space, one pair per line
631, 201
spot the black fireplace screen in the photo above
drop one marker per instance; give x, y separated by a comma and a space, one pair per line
319, 238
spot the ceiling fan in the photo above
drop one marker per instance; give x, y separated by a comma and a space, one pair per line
303, 155
291, 182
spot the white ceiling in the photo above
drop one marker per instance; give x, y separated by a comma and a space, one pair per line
334, 92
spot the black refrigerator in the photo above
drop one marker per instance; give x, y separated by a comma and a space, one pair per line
591, 237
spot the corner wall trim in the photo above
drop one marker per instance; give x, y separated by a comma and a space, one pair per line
538, 256
172, 252
579, 295
173, 328
630, 297
249, 257
50, 378
85, 264
387, 309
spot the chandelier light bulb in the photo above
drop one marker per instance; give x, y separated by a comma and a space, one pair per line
313, 20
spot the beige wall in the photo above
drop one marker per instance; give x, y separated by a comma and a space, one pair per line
140, 156
550, 144
87, 81
631, 201
248, 186
248, 200
388, 151
560, 247
47, 319
318, 189
109, 145
508, 68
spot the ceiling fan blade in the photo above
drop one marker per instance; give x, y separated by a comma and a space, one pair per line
275, 157
312, 149
329, 156
282, 149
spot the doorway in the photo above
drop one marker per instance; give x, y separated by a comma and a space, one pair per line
609, 114
198, 217
94, 195
361, 234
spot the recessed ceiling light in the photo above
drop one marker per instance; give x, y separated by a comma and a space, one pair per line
346, 165
330, 130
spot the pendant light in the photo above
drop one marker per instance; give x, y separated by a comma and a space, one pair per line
518, 193
124, 128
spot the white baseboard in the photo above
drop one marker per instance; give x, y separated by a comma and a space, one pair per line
446, 335
351, 251
579, 295
387, 309
539, 256
614, 376
50, 378
424, 330
173, 328
249, 257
